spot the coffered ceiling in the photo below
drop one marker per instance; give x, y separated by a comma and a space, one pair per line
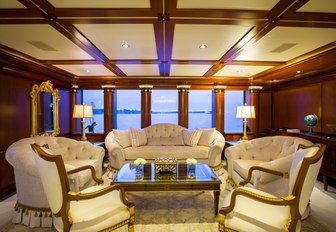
262, 42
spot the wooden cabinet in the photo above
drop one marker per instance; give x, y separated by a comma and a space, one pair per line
328, 168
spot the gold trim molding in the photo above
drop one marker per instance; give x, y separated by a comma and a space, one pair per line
34, 93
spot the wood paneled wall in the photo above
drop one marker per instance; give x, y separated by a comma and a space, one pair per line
15, 118
265, 111
292, 104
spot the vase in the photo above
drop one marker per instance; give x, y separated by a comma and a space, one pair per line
191, 168
139, 172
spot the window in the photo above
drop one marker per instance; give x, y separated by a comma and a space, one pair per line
232, 100
96, 99
164, 106
128, 109
200, 109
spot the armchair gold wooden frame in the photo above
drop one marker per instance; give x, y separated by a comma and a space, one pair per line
64, 211
292, 200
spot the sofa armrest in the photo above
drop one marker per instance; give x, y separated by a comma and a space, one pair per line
216, 148
115, 151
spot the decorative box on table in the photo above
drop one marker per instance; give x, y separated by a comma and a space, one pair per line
165, 165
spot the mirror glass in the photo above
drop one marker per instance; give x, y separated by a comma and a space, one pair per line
44, 116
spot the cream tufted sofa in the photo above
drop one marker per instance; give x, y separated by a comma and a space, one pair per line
165, 140
272, 152
32, 208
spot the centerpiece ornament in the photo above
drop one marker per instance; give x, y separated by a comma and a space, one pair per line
191, 167
139, 161
139, 168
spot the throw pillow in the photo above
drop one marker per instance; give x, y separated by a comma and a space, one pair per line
207, 137
138, 137
122, 137
191, 137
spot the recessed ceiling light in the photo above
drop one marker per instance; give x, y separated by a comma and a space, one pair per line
202, 46
87, 70
298, 71
125, 45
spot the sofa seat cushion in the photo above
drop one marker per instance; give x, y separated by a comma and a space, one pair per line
83, 176
179, 152
242, 166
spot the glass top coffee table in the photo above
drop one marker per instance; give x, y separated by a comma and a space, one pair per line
205, 180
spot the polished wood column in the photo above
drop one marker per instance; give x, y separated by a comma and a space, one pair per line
255, 101
219, 104
73, 102
108, 108
183, 105
146, 105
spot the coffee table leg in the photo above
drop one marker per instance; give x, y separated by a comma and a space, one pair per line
216, 200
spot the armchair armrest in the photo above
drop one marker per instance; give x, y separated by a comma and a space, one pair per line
93, 173
262, 169
254, 195
73, 196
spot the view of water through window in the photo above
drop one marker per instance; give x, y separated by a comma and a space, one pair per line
96, 99
200, 109
232, 100
128, 109
164, 108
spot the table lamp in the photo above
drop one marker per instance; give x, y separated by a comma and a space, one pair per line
83, 111
245, 112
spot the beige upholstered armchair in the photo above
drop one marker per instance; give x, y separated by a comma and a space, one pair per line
32, 208
249, 209
272, 152
97, 208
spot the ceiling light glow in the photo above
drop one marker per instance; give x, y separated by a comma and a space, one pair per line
125, 45
202, 46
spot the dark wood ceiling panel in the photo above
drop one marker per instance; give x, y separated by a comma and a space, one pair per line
164, 15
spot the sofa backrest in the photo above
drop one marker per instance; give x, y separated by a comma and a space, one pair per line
271, 147
164, 134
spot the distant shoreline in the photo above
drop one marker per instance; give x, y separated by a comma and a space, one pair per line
126, 111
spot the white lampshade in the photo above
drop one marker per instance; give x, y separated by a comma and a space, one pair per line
82, 111
245, 112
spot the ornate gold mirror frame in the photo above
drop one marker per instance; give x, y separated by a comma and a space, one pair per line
34, 94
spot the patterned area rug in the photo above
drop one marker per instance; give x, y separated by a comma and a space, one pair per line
173, 207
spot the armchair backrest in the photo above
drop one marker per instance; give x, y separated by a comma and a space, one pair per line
54, 180
303, 173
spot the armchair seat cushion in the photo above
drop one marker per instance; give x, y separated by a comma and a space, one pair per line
108, 209
179, 152
267, 218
